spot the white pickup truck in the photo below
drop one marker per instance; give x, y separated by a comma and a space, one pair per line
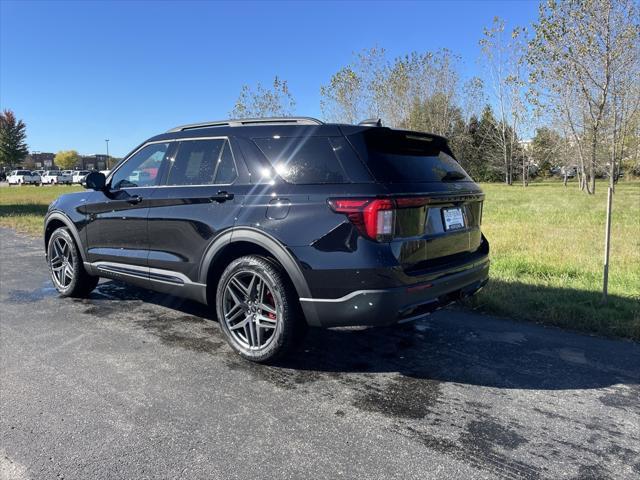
52, 177
23, 177
79, 175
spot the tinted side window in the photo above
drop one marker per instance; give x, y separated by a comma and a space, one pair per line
202, 162
303, 160
141, 169
226, 170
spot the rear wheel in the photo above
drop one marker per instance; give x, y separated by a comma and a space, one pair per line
258, 310
65, 265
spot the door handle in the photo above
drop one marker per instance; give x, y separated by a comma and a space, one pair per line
134, 200
222, 196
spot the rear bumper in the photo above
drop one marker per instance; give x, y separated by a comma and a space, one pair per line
395, 305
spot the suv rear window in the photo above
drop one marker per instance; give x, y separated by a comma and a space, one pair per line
395, 156
306, 160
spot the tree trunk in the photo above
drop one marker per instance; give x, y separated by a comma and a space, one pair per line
594, 146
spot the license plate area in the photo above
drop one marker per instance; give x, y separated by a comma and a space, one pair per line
453, 219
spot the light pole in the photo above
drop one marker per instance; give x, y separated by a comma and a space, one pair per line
107, 142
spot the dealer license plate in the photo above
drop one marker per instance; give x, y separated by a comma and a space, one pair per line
453, 218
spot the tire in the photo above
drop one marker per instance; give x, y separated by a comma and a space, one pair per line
65, 266
258, 329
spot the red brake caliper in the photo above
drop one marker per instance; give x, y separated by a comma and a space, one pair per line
272, 316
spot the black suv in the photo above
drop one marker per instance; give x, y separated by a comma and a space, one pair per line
281, 223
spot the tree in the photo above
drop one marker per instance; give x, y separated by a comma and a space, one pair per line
13, 147
275, 102
339, 99
67, 159
579, 49
356, 91
416, 91
488, 145
503, 60
546, 148
477, 147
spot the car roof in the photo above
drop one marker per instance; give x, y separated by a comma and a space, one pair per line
269, 128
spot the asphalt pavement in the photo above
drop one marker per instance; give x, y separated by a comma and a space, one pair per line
132, 384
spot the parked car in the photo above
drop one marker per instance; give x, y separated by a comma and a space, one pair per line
66, 177
279, 224
51, 177
23, 177
39, 172
79, 176
568, 172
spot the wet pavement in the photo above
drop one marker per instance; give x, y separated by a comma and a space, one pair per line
132, 384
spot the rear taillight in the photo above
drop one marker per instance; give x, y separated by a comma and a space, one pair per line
374, 217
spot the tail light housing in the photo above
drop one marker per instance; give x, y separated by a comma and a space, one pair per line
374, 217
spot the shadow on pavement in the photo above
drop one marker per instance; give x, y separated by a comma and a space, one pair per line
450, 346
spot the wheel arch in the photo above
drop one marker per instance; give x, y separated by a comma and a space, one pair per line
246, 241
56, 220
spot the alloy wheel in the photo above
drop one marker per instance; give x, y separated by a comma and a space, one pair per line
61, 262
250, 311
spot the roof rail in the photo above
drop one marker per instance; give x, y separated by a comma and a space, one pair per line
248, 121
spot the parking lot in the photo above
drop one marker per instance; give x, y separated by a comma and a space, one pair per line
132, 384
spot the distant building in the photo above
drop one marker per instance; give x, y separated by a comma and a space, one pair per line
93, 162
526, 144
46, 160
40, 159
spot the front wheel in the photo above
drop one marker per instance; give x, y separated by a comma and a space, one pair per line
65, 266
258, 310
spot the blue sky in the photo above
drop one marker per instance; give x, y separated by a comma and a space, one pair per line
80, 72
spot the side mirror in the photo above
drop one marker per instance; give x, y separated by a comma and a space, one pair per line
95, 181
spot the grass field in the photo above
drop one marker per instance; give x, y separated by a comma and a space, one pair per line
546, 251
547, 256
23, 208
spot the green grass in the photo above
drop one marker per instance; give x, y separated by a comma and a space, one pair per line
546, 251
23, 208
547, 257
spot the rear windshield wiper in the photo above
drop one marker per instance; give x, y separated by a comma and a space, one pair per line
452, 176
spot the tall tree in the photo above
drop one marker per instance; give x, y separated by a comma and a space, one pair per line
623, 120
339, 99
417, 91
66, 159
503, 54
546, 149
276, 101
488, 146
357, 90
579, 49
13, 146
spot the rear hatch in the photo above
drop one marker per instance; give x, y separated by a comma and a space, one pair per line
437, 208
